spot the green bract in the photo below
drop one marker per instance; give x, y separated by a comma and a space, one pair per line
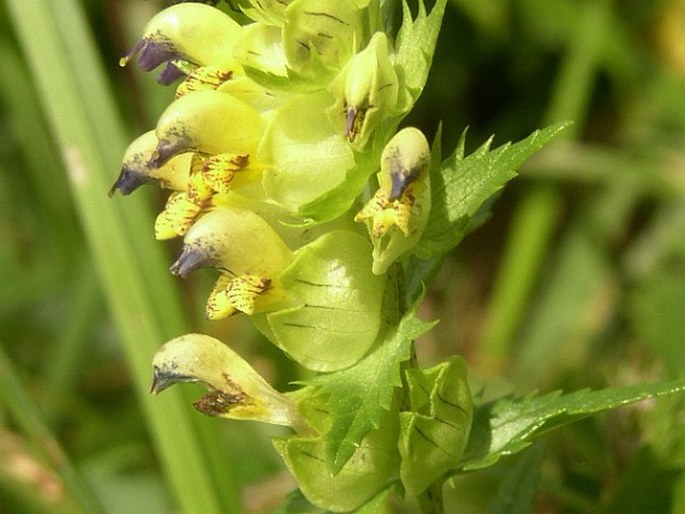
339, 314
300, 127
321, 31
267, 11
366, 93
370, 470
434, 432
261, 47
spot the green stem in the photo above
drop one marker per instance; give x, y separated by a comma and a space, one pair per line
431, 500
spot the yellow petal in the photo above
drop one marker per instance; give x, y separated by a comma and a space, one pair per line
218, 170
177, 217
233, 294
204, 77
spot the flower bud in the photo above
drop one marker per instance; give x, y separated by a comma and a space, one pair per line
398, 211
366, 92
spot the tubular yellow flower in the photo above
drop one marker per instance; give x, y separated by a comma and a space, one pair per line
136, 172
402, 200
236, 390
207, 122
192, 32
249, 253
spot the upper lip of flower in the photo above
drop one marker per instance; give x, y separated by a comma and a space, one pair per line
162, 380
167, 149
153, 54
129, 180
191, 259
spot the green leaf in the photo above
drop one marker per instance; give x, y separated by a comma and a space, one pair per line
358, 396
462, 185
508, 425
415, 46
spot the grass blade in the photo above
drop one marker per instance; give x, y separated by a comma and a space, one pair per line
28, 418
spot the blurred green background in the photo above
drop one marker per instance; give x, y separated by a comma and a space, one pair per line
577, 280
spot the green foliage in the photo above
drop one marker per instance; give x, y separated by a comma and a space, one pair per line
461, 185
508, 425
357, 396
416, 42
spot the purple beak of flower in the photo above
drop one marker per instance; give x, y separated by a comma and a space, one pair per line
128, 181
154, 54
